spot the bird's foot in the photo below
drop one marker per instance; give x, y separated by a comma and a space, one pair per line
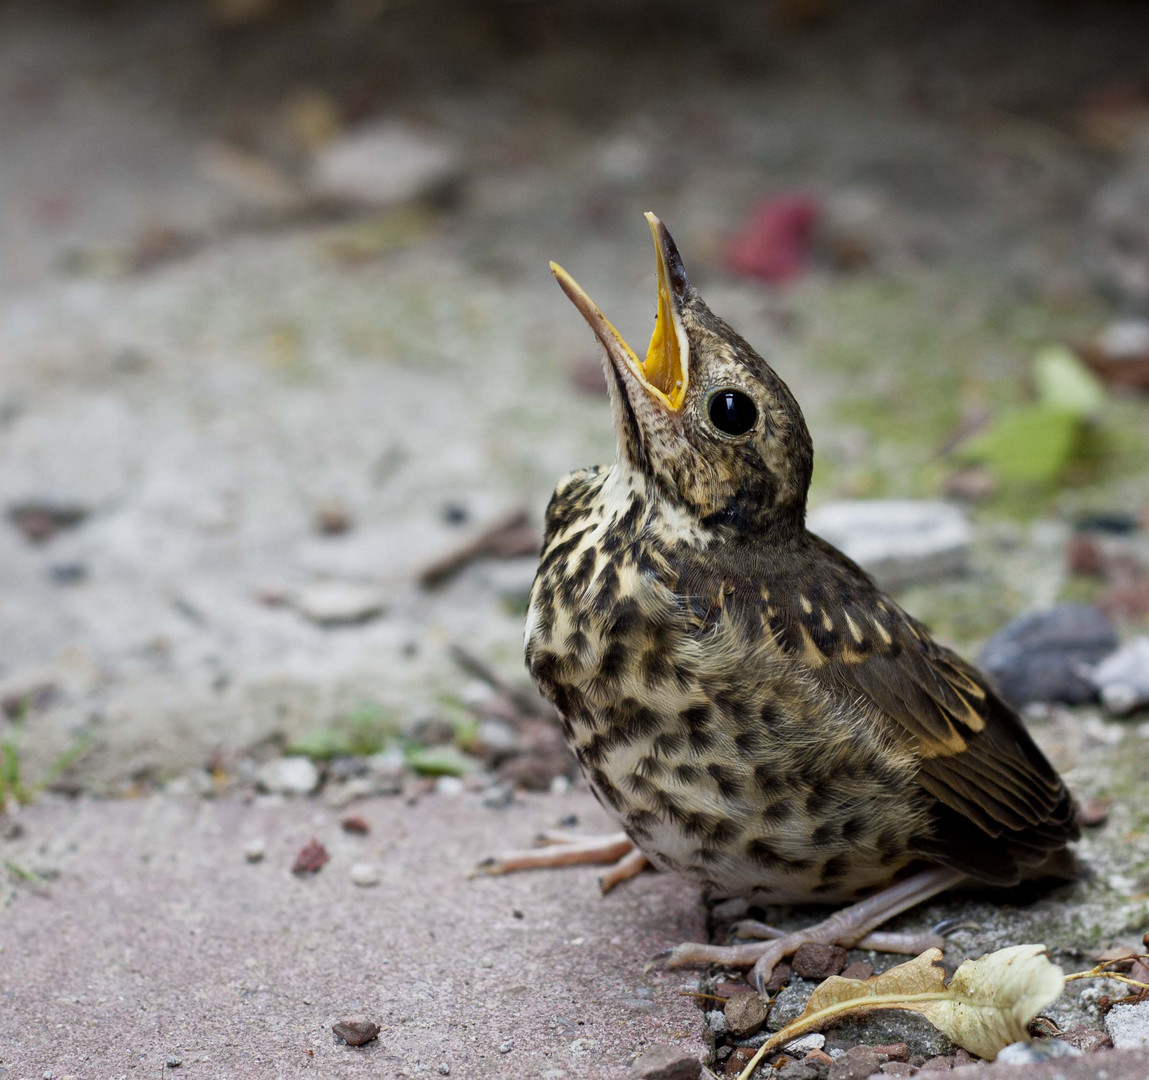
851, 926
909, 942
555, 848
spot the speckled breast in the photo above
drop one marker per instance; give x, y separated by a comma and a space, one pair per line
695, 730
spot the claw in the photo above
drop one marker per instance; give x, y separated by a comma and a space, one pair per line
951, 926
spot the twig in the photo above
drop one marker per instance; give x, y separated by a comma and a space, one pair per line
505, 538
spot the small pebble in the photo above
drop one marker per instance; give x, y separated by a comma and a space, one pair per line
366, 874
1032, 1053
899, 1068
311, 859
666, 1062
814, 1041
507, 1047
254, 850
859, 969
289, 776
444, 1069
356, 1030
813, 961
857, 1063
449, 785
716, 1021
355, 824
174, 1061
894, 1051
804, 1070
745, 1014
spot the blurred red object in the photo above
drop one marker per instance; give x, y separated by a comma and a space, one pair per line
775, 241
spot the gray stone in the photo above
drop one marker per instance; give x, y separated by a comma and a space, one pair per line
666, 1062
857, 1063
1043, 655
789, 1003
1128, 1025
1030, 1053
1122, 678
804, 1070
289, 776
898, 541
716, 1021
384, 163
340, 603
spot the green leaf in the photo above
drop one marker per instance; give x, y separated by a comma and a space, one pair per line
1031, 445
438, 761
1063, 382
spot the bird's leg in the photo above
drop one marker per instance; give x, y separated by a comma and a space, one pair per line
850, 926
910, 942
568, 849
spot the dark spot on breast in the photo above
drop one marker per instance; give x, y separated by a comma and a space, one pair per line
668, 743
823, 834
639, 784
612, 665
834, 869
765, 854
726, 780
750, 741
651, 766
687, 774
814, 800
776, 812
852, 828
698, 824
723, 831
601, 783
655, 666
765, 777
670, 806
698, 736
787, 636
631, 721
706, 854
593, 752
627, 617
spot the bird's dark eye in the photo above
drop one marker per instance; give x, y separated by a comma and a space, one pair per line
732, 412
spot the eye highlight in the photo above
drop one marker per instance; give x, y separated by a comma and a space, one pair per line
732, 412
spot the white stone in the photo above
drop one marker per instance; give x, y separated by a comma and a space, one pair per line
331, 603
254, 850
898, 541
1128, 1025
449, 785
814, 1041
289, 776
1122, 678
384, 163
366, 874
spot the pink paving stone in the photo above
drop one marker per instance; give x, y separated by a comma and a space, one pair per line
158, 937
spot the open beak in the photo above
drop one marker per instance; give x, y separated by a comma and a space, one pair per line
664, 372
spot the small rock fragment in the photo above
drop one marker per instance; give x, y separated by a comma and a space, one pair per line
340, 603
897, 540
859, 969
355, 824
738, 1060
1041, 656
356, 1030
666, 1062
332, 520
384, 163
857, 1063
745, 1014
788, 1004
814, 1041
254, 850
898, 1068
1086, 1039
804, 1070
813, 961
1122, 678
716, 1021
1128, 1025
40, 520
173, 1061
1092, 812
311, 859
506, 1047
1031, 1053
894, 1051
288, 776
940, 1063
779, 977
444, 1069
366, 874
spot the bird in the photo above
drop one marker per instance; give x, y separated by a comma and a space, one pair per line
742, 698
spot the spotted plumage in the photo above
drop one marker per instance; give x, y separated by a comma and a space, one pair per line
741, 697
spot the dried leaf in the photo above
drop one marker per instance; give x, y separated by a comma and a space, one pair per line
987, 1005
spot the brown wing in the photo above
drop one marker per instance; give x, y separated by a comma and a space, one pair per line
1000, 809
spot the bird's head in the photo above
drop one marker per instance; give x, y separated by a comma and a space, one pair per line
703, 416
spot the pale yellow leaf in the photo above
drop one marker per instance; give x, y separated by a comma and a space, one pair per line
987, 1005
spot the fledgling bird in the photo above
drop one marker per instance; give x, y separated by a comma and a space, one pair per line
741, 697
